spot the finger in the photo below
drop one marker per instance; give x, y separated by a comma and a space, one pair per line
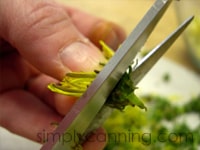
14, 71
24, 114
38, 86
97, 29
98, 139
44, 34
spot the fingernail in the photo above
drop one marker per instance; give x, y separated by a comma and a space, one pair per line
110, 33
81, 56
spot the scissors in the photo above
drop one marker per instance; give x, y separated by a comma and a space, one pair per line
84, 111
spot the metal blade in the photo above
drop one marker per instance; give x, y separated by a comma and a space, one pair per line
74, 124
153, 56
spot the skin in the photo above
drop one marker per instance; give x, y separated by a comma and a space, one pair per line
39, 42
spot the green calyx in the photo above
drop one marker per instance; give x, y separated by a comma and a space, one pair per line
123, 94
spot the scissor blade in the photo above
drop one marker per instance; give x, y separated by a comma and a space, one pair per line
86, 108
153, 56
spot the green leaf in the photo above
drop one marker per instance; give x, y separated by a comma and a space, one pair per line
136, 101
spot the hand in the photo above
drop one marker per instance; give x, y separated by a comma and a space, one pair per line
39, 42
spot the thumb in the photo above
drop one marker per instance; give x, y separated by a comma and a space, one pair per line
44, 34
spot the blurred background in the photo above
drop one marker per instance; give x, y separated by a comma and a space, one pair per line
192, 35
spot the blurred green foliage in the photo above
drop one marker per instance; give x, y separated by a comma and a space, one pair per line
156, 129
